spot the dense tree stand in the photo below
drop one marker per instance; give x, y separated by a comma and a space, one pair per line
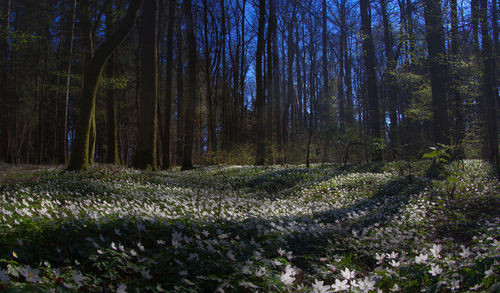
80, 150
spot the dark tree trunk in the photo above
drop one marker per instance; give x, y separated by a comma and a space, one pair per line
275, 82
112, 121
300, 111
438, 69
180, 98
145, 156
370, 65
474, 12
260, 99
4, 61
168, 85
459, 126
63, 140
341, 54
80, 151
489, 88
390, 83
192, 97
225, 133
291, 55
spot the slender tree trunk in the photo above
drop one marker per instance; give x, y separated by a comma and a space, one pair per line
300, 111
4, 64
340, 78
489, 88
80, 149
291, 55
438, 68
390, 83
212, 138
242, 109
275, 88
225, 133
145, 156
474, 12
270, 96
192, 98
459, 126
168, 85
325, 116
112, 121
93, 138
180, 98
260, 99
370, 65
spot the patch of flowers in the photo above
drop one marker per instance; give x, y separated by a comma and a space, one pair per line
237, 228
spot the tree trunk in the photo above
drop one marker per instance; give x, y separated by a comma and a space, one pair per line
474, 12
370, 65
112, 121
180, 98
79, 153
192, 97
260, 99
301, 106
489, 88
438, 69
340, 78
390, 83
168, 85
4, 61
290, 87
459, 126
212, 135
275, 85
145, 156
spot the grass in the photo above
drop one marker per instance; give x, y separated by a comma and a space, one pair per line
363, 228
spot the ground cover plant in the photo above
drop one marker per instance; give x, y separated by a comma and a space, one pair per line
328, 228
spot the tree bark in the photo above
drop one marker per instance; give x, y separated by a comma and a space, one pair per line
80, 151
260, 99
112, 121
370, 65
438, 69
459, 126
192, 97
489, 88
390, 83
275, 85
212, 135
168, 85
145, 156
4, 61
180, 98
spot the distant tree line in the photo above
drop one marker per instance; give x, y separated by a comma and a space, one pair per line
157, 83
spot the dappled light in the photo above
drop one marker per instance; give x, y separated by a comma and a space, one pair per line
249, 228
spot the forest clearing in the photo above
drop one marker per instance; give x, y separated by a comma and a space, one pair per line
363, 228
249, 146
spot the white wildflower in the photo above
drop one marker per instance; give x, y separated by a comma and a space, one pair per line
77, 278
366, 285
422, 258
340, 285
246, 284
122, 288
319, 287
435, 270
287, 277
3, 277
348, 274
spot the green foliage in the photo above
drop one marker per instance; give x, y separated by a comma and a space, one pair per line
243, 228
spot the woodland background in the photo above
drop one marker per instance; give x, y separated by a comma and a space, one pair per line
158, 83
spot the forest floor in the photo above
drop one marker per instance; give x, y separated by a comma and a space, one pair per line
363, 228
